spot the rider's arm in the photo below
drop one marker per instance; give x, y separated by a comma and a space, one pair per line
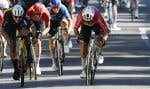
72, 6
78, 23
103, 25
46, 18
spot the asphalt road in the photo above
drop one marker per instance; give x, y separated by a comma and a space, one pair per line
126, 65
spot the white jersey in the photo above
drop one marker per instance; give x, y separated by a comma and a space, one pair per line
4, 4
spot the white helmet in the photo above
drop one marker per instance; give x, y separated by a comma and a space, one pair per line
17, 10
88, 13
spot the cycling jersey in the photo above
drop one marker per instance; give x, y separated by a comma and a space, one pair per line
9, 25
97, 19
63, 13
45, 16
57, 18
1, 17
67, 1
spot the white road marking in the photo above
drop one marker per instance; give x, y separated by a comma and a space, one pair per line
143, 32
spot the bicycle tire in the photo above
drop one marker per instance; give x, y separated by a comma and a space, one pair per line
60, 51
88, 68
60, 58
22, 61
22, 69
94, 67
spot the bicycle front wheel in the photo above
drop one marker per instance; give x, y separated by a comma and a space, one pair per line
88, 69
60, 56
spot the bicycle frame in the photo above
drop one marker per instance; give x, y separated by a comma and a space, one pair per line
24, 57
91, 62
60, 50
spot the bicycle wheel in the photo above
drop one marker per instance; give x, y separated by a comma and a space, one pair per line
33, 63
21, 66
22, 61
94, 67
88, 68
60, 56
1, 56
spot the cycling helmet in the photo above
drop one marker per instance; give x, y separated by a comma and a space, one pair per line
38, 7
55, 3
17, 10
88, 13
1, 17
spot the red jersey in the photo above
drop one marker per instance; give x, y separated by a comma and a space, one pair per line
45, 16
67, 1
97, 19
1, 17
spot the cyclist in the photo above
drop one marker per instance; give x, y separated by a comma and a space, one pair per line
13, 22
60, 17
4, 6
70, 6
114, 11
40, 16
90, 19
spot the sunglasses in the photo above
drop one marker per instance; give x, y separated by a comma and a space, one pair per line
18, 17
55, 7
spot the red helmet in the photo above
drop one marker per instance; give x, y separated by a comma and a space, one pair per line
38, 7
1, 17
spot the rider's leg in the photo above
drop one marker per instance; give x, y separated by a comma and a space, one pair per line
83, 54
11, 40
85, 33
115, 13
38, 50
52, 48
105, 8
136, 2
5, 45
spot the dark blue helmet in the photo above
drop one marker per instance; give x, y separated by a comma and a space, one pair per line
55, 3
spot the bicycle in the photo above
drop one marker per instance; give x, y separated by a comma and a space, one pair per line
91, 61
2, 57
60, 55
26, 57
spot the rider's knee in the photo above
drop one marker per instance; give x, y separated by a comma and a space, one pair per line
83, 49
100, 42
